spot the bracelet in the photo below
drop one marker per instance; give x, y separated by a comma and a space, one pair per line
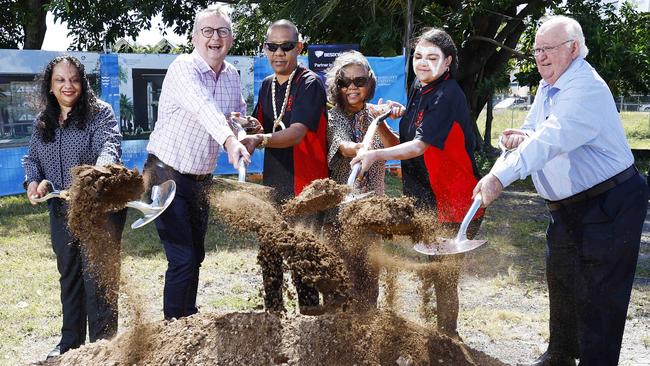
265, 141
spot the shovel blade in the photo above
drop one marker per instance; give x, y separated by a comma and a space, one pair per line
355, 197
162, 198
447, 246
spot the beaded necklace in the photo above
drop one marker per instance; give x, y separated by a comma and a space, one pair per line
277, 119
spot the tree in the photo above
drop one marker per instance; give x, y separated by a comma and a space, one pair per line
22, 23
126, 112
618, 42
486, 32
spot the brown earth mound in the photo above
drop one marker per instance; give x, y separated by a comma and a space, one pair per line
256, 338
319, 195
384, 215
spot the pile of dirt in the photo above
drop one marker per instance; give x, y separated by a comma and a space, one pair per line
94, 194
257, 338
381, 214
319, 195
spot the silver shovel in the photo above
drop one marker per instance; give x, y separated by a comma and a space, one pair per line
460, 243
162, 196
367, 145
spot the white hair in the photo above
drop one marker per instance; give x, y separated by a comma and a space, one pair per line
572, 29
219, 10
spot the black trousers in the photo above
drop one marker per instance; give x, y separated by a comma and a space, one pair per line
181, 229
84, 302
592, 251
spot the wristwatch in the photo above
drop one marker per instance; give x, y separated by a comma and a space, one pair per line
265, 140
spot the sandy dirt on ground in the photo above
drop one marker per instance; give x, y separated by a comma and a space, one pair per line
343, 266
262, 338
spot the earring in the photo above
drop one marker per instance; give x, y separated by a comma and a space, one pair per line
51, 92
447, 69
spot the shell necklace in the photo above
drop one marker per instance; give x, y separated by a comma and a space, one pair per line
277, 119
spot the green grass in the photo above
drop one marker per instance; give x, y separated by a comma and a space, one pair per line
512, 263
636, 124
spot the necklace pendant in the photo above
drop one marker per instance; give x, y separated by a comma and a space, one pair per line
278, 123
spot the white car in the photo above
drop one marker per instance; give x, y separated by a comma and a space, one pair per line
644, 108
513, 103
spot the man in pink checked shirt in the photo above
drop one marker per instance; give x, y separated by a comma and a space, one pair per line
200, 90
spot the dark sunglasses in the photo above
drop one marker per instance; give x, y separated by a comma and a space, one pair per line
286, 46
359, 81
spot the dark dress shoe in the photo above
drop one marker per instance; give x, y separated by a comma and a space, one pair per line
553, 359
56, 352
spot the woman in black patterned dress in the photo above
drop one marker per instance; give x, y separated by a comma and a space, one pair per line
350, 85
74, 128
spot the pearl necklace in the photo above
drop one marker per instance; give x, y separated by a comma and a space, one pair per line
277, 120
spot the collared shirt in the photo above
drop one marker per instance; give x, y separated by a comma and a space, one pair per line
97, 144
443, 177
193, 111
290, 169
576, 138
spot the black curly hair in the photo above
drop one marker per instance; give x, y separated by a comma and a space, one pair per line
442, 39
48, 120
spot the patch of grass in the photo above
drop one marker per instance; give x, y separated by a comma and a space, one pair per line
393, 184
636, 125
511, 278
236, 303
28, 276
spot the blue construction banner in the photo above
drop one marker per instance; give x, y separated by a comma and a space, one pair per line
134, 154
321, 56
391, 78
109, 72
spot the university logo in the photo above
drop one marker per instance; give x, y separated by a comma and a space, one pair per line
418, 120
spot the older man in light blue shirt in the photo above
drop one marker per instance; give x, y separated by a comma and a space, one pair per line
574, 146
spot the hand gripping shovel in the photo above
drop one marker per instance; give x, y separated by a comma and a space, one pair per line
368, 138
460, 244
161, 197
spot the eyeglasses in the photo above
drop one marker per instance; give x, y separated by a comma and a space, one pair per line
286, 46
359, 81
222, 32
548, 49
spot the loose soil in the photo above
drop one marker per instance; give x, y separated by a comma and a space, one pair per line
349, 329
94, 194
262, 338
319, 195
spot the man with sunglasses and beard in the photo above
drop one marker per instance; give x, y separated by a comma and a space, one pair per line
199, 91
292, 110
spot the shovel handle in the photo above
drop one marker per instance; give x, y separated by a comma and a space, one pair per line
367, 145
241, 170
353, 174
462, 232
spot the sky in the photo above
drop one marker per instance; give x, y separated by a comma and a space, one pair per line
56, 36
